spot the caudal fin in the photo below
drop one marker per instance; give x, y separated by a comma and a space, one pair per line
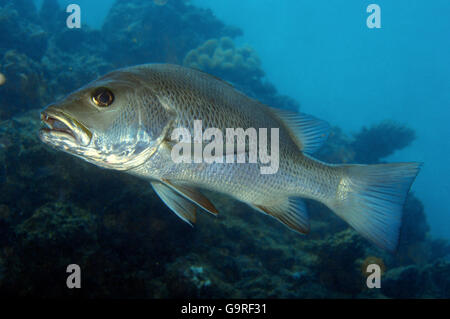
371, 197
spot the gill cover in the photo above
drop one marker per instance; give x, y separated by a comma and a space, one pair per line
123, 115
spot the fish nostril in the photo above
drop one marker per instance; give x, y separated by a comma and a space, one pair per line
44, 117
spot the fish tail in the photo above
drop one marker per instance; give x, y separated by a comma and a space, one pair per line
371, 197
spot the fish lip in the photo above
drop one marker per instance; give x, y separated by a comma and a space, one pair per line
60, 123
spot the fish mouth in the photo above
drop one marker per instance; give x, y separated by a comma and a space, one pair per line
59, 126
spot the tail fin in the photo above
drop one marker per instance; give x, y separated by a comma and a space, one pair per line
371, 197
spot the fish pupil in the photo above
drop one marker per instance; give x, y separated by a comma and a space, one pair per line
103, 97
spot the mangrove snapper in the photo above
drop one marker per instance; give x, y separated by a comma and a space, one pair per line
138, 119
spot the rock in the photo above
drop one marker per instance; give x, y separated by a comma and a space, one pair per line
20, 29
56, 209
438, 279
138, 31
52, 17
58, 223
403, 282
337, 266
24, 86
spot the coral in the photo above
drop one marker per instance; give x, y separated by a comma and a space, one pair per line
336, 264
240, 66
24, 86
58, 223
52, 17
414, 222
55, 236
440, 248
133, 246
403, 282
65, 72
198, 277
337, 148
56, 210
20, 29
39, 60
380, 141
413, 246
221, 58
438, 279
138, 31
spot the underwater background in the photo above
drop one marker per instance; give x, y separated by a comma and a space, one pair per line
386, 93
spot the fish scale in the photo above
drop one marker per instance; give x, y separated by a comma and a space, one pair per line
146, 103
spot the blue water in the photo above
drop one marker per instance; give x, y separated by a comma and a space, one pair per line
322, 54
318, 56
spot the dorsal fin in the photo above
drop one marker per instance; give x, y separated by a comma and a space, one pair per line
291, 212
308, 132
213, 77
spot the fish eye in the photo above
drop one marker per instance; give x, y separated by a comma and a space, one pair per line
102, 97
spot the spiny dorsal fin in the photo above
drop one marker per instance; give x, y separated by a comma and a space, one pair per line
308, 132
291, 212
184, 209
192, 195
213, 77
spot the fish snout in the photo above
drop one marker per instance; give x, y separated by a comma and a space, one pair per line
60, 125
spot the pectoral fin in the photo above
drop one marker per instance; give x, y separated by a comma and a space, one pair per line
184, 208
291, 212
193, 195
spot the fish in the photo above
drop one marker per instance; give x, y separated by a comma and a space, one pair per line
126, 119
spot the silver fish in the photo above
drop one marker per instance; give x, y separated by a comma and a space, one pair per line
125, 120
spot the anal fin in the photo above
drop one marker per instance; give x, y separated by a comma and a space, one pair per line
291, 212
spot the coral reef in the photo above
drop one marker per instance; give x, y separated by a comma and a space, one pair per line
221, 58
240, 66
43, 60
139, 32
52, 17
20, 29
431, 281
403, 282
56, 210
381, 140
24, 86
336, 265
